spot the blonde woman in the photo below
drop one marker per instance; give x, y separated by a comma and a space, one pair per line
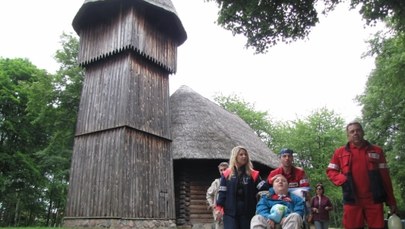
239, 186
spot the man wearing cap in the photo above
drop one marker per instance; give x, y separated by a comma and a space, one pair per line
296, 176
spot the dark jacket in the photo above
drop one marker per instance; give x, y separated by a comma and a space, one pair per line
320, 204
228, 197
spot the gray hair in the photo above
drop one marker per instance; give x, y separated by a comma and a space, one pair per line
223, 164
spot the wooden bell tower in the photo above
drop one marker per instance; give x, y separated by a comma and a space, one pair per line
122, 169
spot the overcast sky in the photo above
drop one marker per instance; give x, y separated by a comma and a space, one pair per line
289, 82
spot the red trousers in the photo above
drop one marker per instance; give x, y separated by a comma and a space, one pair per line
356, 216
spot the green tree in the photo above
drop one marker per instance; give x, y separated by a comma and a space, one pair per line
383, 104
267, 22
315, 138
258, 120
20, 138
38, 113
68, 86
282, 132
58, 111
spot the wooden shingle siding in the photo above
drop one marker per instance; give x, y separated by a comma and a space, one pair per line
129, 30
124, 91
118, 173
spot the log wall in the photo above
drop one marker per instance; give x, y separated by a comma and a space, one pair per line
192, 179
117, 174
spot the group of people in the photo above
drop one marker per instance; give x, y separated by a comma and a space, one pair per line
241, 199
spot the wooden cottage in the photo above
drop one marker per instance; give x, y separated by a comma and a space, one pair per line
203, 135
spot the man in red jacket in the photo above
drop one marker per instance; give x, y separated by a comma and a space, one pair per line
296, 176
361, 169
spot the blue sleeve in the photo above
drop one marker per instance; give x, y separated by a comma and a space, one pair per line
263, 207
299, 205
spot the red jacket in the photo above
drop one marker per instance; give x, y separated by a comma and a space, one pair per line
362, 173
296, 178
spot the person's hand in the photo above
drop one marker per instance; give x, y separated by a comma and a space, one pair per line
218, 216
271, 223
219, 213
315, 210
282, 220
327, 208
393, 209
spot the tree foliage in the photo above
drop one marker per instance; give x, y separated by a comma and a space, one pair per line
56, 157
266, 23
382, 10
314, 139
20, 138
257, 120
38, 112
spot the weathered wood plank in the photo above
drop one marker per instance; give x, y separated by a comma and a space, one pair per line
112, 176
131, 32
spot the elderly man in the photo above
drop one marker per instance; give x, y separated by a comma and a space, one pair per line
290, 218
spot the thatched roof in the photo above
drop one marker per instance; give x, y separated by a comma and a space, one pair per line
160, 11
201, 129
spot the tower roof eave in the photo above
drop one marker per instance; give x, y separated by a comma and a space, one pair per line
161, 11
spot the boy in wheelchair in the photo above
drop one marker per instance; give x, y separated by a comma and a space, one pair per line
269, 213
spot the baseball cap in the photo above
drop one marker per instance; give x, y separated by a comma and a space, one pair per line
285, 151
